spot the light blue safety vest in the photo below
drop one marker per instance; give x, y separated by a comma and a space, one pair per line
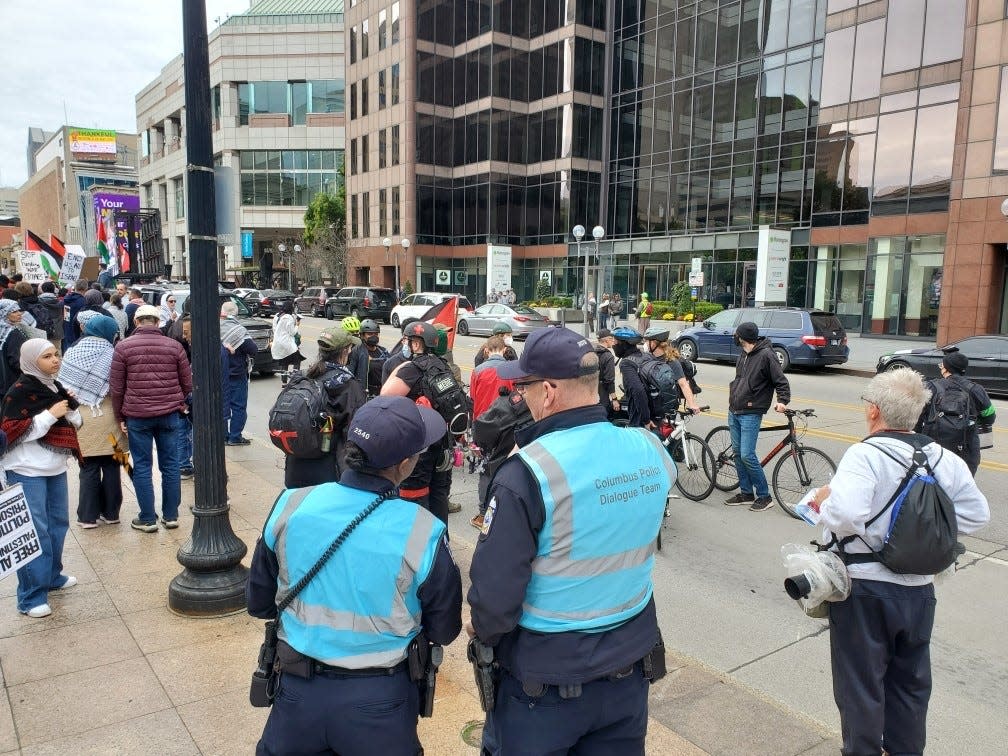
596, 548
362, 609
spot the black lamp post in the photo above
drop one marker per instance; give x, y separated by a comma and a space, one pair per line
213, 581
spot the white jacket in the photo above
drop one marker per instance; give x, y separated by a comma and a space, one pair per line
864, 482
284, 328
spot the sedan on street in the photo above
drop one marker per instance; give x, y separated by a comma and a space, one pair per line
270, 302
522, 320
987, 355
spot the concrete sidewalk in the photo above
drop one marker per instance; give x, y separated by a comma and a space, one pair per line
114, 671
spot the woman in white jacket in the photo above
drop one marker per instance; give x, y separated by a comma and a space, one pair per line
286, 339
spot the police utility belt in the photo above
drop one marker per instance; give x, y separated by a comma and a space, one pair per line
275, 656
488, 672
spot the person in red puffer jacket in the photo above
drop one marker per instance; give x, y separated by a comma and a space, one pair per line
149, 381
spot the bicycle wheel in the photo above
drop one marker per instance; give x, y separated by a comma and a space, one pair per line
693, 480
722, 473
797, 472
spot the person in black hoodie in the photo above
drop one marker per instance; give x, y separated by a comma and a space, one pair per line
758, 375
73, 303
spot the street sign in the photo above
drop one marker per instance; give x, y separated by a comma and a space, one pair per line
697, 262
461, 277
442, 277
694, 293
696, 278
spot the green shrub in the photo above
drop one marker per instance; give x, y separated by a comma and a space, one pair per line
705, 309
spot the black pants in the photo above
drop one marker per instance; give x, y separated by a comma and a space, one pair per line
100, 489
880, 651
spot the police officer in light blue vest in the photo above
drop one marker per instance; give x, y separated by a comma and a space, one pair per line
561, 575
344, 640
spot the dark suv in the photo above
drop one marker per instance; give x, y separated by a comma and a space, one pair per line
809, 338
361, 302
313, 299
259, 330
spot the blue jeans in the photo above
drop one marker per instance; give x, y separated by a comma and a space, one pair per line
744, 430
49, 507
236, 408
185, 441
163, 431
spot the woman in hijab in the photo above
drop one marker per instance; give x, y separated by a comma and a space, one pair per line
286, 349
40, 419
168, 312
85, 373
11, 339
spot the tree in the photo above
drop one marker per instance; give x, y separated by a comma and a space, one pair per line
325, 231
543, 288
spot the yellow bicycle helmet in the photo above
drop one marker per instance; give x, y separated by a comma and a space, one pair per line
351, 324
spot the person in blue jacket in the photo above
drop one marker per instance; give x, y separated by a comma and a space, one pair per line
343, 642
562, 572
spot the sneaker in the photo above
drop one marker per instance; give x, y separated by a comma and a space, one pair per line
42, 610
145, 527
240, 441
740, 498
169, 524
453, 507
762, 504
108, 521
70, 582
87, 525
477, 522
187, 473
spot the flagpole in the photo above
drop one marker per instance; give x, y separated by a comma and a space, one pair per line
213, 581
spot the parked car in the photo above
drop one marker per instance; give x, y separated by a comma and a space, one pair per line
270, 302
414, 306
249, 296
361, 302
987, 355
313, 299
260, 330
809, 338
481, 321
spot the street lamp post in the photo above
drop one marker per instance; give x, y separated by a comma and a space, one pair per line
579, 231
597, 233
405, 248
282, 249
387, 243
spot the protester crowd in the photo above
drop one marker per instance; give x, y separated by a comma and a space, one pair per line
563, 632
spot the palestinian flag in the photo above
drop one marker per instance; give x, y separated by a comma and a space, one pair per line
446, 314
56, 243
103, 242
50, 260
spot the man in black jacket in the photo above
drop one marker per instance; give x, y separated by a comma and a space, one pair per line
758, 375
607, 369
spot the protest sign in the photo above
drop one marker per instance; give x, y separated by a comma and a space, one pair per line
73, 261
19, 543
31, 268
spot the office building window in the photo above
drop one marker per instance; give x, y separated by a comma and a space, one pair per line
328, 96
364, 96
395, 145
145, 144
354, 230
364, 153
381, 148
296, 98
215, 104
299, 103
395, 83
365, 215
395, 23
395, 210
1001, 135
353, 101
288, 177
364, 39
353, 45
381, 90
353, 156
382, 226
382, 29
180, 197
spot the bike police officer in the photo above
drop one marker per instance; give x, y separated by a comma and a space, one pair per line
561, 575
346, 642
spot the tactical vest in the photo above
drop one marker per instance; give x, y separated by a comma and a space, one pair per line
592, 571
362, 609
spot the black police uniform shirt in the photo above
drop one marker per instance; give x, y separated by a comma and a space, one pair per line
501, 570
440, 594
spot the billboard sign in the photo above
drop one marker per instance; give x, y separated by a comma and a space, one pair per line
246, 244
772, 256
498, 268
93, 142
106, 205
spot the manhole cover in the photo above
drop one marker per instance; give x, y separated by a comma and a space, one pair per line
472, 733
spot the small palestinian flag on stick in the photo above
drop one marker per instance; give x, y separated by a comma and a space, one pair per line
50, 260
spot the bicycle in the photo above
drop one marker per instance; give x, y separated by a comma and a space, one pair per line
692, 455
809, 467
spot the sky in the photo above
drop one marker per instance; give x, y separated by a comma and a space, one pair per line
87, 59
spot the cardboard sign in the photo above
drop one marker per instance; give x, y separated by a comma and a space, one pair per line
73, 263
19, 543
31, 268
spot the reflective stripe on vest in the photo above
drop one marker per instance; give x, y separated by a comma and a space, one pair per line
362, 609
596, 548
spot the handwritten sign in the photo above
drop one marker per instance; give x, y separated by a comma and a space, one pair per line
73, 262
31, 268
19, 543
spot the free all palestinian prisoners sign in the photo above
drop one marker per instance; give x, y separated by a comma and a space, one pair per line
19, 543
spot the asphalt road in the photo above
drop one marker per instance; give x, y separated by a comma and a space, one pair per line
719, 577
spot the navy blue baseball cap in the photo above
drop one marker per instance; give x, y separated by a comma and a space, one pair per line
388, 429
550, 353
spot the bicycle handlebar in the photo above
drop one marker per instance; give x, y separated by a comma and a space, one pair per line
804, 412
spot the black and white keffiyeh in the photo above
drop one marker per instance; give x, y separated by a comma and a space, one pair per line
85, 370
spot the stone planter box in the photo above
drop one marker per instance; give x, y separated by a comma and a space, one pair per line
561, 315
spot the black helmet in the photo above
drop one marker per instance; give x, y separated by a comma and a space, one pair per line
369, 326
418, 329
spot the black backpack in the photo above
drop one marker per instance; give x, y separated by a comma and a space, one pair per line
923, 534
444, 393
45, 321
659, 380
298, 418
949, 418
689, 370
